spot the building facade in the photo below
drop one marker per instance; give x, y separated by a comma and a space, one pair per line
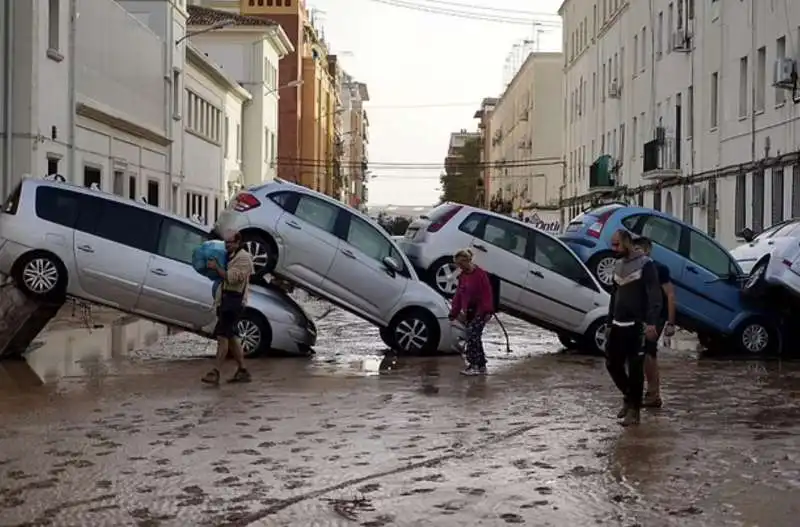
484, 116
249, 51
354, 141
525, 152
684, 106
214, 103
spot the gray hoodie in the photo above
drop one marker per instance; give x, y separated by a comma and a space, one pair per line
636, 292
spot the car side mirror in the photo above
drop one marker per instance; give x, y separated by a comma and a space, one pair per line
747, 234
392, 264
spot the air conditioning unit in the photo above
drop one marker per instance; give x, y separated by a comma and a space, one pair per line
681, 41
614, 89
523, 116
698, 197
785, 75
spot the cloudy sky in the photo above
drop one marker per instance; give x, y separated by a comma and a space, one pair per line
427, 73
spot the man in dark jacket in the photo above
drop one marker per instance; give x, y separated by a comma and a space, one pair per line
633, 315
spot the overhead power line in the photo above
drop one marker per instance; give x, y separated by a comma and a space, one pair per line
471, 15
399, 165
493, 9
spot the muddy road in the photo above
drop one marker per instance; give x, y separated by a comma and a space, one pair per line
347, 438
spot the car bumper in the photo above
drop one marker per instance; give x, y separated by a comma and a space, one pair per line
231, 221
9, 253
417, 256
291, 338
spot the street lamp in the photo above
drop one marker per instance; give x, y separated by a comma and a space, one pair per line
219, 25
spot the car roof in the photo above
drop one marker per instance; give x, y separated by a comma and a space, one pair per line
630, 210
37, 182
531, 226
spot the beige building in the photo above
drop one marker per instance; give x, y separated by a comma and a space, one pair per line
484, 116
526, 142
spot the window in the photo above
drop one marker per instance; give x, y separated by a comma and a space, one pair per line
743, 74
635, 54
238, 142
92, 176
633, 137
758, 201
52, 165
368, 240
690, 112
761, 78
777, 195
178, 241
708, 255
657, 199
285, 200
176, 93
119, 183
741, 203
125, 224
266, 144
663, 232
644, 48
57, 205
630, 223
204, 118
132, 187
660, 36
53, 28
506, 235
780, 53
317, 212
471, 223
153, 191
670, 25
226, 139
196, 205
714, 100
556, 258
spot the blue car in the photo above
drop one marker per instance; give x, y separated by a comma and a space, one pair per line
706, 278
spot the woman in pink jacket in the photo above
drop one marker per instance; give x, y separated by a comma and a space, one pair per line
473, 305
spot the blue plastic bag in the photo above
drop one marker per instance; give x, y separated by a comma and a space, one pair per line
210, 250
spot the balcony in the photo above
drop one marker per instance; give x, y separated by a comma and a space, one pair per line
662, 160
602, 175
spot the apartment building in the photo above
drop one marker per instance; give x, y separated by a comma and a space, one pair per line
684, 106
354, 141
484, 116
525, 152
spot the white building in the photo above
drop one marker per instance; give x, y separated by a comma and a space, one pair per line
526, 144
354, 141
213, 107
248, 50
680, 95
94, 113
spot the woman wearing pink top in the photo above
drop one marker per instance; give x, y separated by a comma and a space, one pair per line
473, 305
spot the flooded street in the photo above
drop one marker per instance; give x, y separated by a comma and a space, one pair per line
348, 438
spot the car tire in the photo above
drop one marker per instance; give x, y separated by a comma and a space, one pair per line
414, 331
255, 334
264, 251
756, 283
386, 337
443, 277
594, 340
41, 275
568, 341
602, 267
756, 337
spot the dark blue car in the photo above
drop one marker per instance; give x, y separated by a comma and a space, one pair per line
706, 278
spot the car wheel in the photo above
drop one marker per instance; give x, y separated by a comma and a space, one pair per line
263, 250
41, 275
602, 266
756, 337
415, 331
255, 334
756, 282
443, 277
567, 341
594, 340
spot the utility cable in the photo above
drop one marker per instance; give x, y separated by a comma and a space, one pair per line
464, 14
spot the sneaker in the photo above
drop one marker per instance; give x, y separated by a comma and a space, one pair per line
211, 377
631, 417
652, 401
470, 371
482, 371
622, 411
241, 375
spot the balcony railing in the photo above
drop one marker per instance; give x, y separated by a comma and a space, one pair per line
601, 175
661, 159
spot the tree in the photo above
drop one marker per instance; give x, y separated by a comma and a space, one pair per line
461, 181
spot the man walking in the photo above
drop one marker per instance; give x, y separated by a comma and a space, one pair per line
230, 300
652, 398
633, 315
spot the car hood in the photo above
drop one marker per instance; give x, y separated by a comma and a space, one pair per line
274, 294
750, 252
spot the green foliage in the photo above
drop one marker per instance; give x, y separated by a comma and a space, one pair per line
461, 181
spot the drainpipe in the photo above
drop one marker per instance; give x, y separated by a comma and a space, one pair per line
73, 100
8, 103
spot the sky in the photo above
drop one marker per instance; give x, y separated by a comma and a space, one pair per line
426, 74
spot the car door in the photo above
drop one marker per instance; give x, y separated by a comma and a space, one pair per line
307, 239
500, 247
113, 243
59, 208
559, 287
711, 293
173, 291
359, 276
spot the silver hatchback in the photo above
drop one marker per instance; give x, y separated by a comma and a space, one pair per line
58, 239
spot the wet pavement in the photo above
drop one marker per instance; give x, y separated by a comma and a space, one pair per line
348, 438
